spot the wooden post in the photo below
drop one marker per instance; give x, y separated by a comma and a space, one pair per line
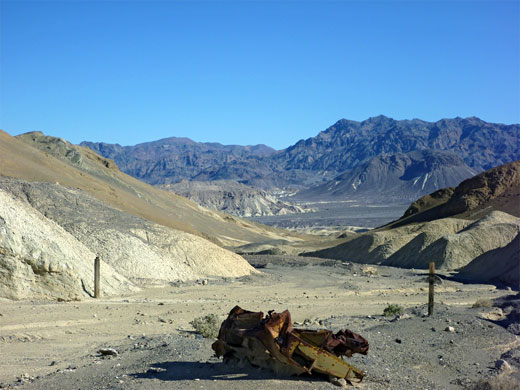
97, 276
430, 290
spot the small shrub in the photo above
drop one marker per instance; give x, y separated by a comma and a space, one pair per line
207, 326
483, 302
393, 310
500, 382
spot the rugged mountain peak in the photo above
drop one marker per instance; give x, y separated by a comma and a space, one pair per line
170, 160
379, 119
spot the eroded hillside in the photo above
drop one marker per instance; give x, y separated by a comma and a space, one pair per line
36, 157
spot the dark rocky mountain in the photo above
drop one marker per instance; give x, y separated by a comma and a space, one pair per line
347, 144
344, 146
397, 177
170, 160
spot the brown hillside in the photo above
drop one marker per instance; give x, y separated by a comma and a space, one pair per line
497, 189
36, 157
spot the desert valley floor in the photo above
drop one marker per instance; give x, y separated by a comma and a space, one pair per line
55, 345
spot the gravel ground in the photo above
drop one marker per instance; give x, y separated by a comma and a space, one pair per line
408, 352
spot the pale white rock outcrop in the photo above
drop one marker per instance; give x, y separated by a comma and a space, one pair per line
159, 253
40, 260
142, 252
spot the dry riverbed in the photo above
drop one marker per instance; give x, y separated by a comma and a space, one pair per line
54, 345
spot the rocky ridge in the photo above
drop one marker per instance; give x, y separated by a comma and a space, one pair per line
495, 189
450, 243
172, 159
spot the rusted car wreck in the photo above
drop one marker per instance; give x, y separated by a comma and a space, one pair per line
273, 343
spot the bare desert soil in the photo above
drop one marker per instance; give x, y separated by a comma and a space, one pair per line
54, 345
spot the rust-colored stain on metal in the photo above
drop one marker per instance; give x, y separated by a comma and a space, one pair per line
273, 343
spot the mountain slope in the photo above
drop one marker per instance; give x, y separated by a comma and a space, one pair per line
394, 178
40, 260
35, 157
449, 242
501, 265
495, 189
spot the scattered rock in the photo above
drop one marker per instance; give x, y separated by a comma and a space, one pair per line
497, 314
369, 271
340, 382
502, 365
450, 329
401, 317
25, 378
108, 352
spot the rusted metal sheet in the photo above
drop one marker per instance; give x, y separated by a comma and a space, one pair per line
272, 342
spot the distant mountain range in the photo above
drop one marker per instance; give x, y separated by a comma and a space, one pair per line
173, 159
347, 148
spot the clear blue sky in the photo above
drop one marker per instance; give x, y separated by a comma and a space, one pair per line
251, 72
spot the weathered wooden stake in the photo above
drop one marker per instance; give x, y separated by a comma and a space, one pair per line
97, 276
430, 290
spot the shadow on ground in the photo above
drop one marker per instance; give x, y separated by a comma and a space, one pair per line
175, 371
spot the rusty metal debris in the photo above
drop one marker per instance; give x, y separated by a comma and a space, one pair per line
273, 343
